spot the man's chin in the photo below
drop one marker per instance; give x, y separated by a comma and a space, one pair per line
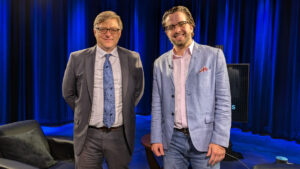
179, 44
108, 48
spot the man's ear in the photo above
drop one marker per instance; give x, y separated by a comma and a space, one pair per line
94, 30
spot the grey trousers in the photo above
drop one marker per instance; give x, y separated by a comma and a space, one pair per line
100, 145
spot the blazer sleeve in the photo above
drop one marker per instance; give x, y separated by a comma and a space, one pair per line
139, 90
69, 83
156, 129
222, 125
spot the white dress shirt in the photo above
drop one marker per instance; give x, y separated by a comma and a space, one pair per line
98, 98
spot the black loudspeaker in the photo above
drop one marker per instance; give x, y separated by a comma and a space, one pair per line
239, 87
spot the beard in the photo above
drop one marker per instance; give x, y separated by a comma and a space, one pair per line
180, 43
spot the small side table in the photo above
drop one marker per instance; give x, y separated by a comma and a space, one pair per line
153, 164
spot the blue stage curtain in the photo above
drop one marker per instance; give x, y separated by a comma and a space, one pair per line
4, 58
37, 37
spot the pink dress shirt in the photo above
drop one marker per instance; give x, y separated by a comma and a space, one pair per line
181, 66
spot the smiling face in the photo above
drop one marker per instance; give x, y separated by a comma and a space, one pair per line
181, 35
108, 40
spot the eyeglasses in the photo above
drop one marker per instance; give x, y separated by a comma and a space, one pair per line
172, 27
104, 30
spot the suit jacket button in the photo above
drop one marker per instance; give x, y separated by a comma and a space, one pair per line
172, 113
172, 96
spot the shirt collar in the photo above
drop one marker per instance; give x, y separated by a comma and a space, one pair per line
191, 47
101, 52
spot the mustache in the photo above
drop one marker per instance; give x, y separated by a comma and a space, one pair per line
177, 34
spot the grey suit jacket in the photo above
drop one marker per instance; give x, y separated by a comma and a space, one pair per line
208, 100
78, 85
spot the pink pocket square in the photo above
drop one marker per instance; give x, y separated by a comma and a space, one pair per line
203, 69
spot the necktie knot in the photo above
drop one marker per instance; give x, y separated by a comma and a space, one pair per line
107, 56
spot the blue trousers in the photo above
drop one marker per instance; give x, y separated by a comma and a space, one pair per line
181, 153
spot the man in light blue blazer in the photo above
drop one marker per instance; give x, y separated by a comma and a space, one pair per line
191, 102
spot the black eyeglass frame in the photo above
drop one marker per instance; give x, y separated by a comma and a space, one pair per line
104, 30
172, 27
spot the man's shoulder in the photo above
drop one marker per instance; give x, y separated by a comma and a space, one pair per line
83, 52
205, 48
123, 50
162, 58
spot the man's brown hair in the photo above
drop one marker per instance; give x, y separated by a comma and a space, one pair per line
182, 9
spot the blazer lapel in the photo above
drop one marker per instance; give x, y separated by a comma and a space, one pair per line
89, 69
124, 69
170, 67
194, 57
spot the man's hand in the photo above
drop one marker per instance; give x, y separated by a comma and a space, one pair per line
157, 149
216, 153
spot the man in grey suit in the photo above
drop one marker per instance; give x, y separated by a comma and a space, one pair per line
102, 85
191, 102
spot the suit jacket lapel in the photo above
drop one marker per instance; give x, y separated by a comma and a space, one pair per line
89, 69
124, 69
194, 58
170, 67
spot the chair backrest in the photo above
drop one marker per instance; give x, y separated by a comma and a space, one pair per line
23, 127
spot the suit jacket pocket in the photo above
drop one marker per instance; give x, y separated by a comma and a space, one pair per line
79, 82
76, 122
204, 79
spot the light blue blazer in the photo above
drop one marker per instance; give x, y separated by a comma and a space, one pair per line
208, 100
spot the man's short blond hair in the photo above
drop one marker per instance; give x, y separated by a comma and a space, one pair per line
103, 16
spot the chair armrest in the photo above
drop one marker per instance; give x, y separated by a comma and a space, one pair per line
61, 149
11, 164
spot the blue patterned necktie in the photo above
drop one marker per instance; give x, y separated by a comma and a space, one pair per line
109, 93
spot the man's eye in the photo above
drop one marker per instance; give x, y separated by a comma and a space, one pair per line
171, 26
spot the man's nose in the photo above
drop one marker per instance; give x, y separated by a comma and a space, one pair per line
177, 28
108, 33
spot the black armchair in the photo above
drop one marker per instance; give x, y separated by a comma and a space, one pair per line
276, 166
23, 145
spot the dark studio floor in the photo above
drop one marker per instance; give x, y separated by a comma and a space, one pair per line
255, 149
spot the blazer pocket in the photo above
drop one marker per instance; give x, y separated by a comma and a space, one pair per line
79, 77
209, 118
76, 122
204, 78
79, 81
